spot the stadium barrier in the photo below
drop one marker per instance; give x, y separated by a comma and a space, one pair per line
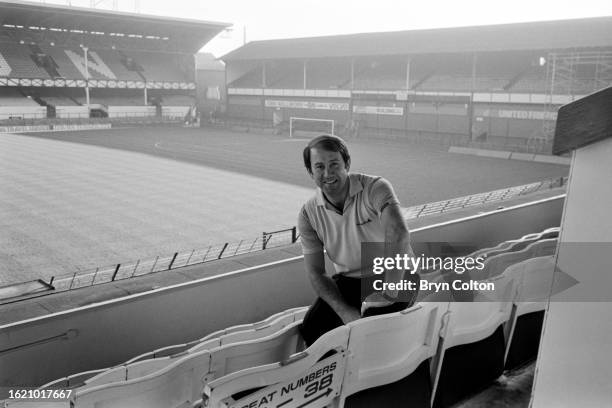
440, 207
128, 270
30, 125
361, 129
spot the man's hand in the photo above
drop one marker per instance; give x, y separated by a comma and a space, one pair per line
350, 314
326, 288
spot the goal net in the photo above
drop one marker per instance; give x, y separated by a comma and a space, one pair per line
308, 126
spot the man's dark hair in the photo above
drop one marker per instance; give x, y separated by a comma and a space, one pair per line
331, 144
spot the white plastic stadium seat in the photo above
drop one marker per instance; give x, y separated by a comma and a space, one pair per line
152, 361
472, 330
177, 385
497, 264
535, 278
202, 366
303, 371
475, 320
297, 313
535, 285
108, 376
384, 349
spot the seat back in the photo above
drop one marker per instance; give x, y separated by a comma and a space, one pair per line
175, 385
233, 357
260, 330
497, 264
535, 284
303, 377
535, 277
110, 375
475, 320
387, 348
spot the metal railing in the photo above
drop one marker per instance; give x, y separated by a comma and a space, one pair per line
439, 207
161, 263
123, 119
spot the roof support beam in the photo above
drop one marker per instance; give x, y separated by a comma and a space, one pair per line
474, 62
408, 73
353, 73
263, 74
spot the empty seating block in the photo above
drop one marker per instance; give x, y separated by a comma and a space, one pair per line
158, 66
436, 352
65, 66
278, 340
113, 61
16, 62
186, 374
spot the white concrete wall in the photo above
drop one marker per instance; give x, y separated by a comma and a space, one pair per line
574, 367
130, 111
175, 111
72, 112
23, 112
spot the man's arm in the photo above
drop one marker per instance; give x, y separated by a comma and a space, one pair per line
326, 288
397, 240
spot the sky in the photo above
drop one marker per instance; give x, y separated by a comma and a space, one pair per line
269, 19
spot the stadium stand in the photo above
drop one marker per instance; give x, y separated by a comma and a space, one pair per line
251, 79
532, 82
327, 73
380, 74
16, 105
157, 66
421, 353
285, 75
65, 66
18, 61
110, 99
119, 65
410, 69
177, 100
60, 67
12, 97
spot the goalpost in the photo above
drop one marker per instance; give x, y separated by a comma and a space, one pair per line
311, 125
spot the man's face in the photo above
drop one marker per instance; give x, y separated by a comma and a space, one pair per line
329, 171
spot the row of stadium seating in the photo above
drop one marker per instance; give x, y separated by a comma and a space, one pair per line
416, 356
12, 97
531, 80
48, 62
18, 58
433, 83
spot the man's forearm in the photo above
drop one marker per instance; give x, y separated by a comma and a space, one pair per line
327, 290
397, 241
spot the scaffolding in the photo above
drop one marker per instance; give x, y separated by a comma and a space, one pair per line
569, 76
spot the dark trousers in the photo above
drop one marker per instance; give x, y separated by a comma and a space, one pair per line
321, 318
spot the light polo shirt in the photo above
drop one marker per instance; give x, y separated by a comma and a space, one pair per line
321, 226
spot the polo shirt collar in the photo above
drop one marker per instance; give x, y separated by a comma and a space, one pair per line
355, 187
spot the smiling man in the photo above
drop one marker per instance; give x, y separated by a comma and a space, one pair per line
346, 210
